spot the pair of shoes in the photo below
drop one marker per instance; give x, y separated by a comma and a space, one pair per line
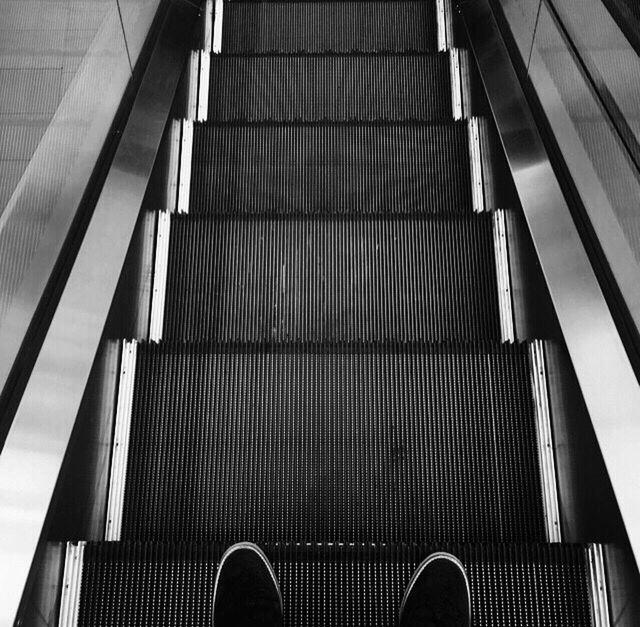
247, 594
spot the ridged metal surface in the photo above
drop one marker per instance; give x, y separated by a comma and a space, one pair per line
631, 6
330, 87
337, 443
323, 26
41, 47
337, 168
319, 279
298, 399
145, 584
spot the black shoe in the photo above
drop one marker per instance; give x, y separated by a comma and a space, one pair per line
246, 592
438, 594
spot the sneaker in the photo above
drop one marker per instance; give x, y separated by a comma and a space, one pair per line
438, 594
246, 591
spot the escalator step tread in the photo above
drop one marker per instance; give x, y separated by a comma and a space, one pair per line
330, 87
421, 442
329, 26
349, 168
322, 279
172, 584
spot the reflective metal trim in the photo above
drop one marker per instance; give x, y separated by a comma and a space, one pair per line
71, 585
608, 384
505, 303
465, 82
456, 83
207, 39
173, 168
445, 26
598, 587
121, 440
489, 181
477, 184
442, 29
203, 86
160, 276
192, 85
217, 28
186, 153
545, 441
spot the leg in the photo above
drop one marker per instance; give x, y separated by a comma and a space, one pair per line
438, 594
246, 591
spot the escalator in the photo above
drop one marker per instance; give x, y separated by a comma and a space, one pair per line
334, 369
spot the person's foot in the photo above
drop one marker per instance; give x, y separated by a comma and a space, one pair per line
246, 591
438, 594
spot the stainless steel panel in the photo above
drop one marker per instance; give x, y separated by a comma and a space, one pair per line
604, 177
537, 356
29, 91
216, 45
595, 120
522, 16
80, 502
598, 581
41, 44
607, 381
72, 583
64, 67
37, 218
36, 444
42, 609
136, 18
120, 449
608, 54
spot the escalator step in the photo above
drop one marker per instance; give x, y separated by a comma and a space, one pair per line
348, 168
333, 442
329, 26
146, 584
322, 279
330, 87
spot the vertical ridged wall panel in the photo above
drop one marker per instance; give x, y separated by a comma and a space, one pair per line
329, 26
325, 586
370, 168
333, 443
330, 87
322, 279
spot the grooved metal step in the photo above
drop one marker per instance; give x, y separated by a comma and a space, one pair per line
330, 87
356, 442
325, 279
323, 26
130, 584
348, 168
